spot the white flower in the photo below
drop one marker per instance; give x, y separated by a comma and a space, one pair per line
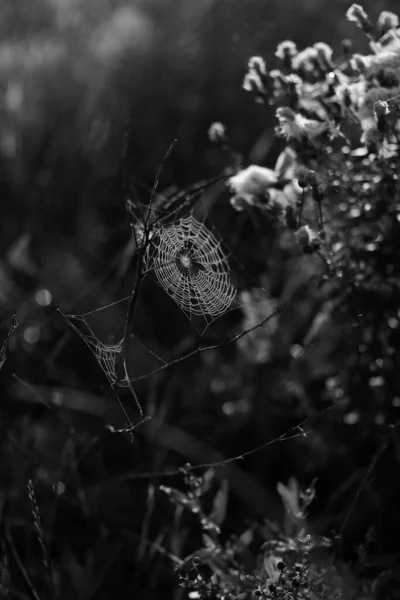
217, 132
295, 125
257, 63
286, 48
306, 59
324, 54
355, 92
325, 49
355, 13
361, 63
307, 238
381, 109
387, 21
250, 184
389, 38
252, 82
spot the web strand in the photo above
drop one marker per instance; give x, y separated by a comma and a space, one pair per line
201, 349
296, 431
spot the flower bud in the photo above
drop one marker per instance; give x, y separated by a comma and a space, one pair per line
306, 177
347, 47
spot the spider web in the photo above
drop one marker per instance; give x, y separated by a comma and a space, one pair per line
191, 267
107, 356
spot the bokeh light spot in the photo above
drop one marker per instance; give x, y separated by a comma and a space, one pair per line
32, 334
43, 297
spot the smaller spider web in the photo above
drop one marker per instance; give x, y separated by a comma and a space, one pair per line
105, 354
191, 267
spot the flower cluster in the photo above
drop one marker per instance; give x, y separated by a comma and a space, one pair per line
339, 118
334, 194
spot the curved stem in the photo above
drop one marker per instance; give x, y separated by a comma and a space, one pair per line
132, 302
128, 323
13, 327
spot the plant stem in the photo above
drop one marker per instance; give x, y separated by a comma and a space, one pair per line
128, 323
132, 302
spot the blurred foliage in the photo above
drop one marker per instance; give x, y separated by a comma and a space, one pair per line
92, 94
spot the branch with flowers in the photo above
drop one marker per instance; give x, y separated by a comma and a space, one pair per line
335, 190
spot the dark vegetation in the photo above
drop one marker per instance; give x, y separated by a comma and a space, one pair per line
252, 449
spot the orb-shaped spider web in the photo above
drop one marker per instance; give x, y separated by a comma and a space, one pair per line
192, 268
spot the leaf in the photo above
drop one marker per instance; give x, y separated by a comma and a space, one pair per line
207, 480
286, 164
210, 543
246, 537
220, 504
290, 495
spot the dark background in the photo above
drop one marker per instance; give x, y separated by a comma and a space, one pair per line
80, 79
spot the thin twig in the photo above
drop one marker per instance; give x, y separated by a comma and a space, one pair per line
200, 349
13, 327
17, 559
37, 521
300, 205
128, 324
